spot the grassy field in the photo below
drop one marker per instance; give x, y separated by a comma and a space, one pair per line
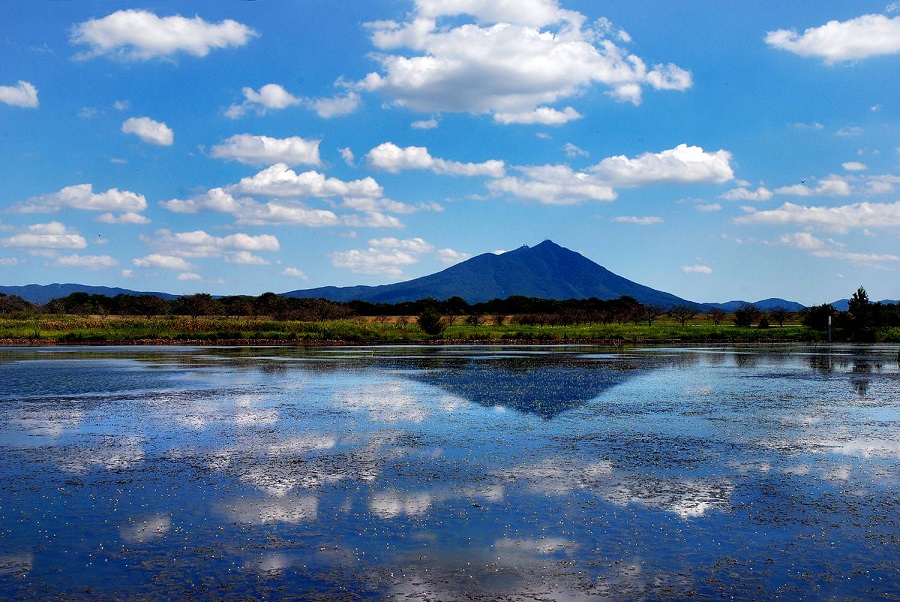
71, 329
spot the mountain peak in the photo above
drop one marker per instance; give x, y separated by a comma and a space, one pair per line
547, 271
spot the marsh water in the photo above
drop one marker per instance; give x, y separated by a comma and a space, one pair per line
450, 473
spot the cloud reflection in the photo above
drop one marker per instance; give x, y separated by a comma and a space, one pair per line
149, 528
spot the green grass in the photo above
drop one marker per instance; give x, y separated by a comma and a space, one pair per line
217, 329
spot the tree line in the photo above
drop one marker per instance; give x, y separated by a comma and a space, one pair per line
859, 322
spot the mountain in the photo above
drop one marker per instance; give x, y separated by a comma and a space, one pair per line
764, 305
42, 293
844, 304
546, 271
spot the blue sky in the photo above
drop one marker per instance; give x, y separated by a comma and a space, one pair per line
713, 150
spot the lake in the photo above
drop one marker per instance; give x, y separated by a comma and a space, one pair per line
450, 473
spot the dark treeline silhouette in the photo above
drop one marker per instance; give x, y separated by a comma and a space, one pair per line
860, 322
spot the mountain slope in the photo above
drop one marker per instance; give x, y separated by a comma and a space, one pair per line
42, 293
546, 271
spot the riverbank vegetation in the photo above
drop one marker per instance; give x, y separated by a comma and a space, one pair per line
272, 319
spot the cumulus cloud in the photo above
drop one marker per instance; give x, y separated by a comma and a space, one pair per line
554, 185
281, 181
854, 166
831, 249
514, 62
167, 262
149, 131
681, 165
140, 35
836, 41
263, 150
23, 94
830, 186
201, 244
123, 218
647, 220
273, 97
215, 199
269, 97
838, 219
384, 256
335, 106
91, 262
744, 194
286, 213
560, 184
82, 196
392, 158
52, 235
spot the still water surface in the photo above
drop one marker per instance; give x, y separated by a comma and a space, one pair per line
450, 473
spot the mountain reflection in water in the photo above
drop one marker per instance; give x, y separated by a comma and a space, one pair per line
536, 384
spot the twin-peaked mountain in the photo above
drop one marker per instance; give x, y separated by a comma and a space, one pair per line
546, 271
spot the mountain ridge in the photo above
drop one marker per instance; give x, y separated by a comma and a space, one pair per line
547, 271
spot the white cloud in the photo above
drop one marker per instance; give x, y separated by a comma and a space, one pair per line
52, 235
743, 194
833, 250
425, 124
149, 131
390, 157
696, 269
573, 151
201, 244
709, 207
82, 197
336, 106
836, 41
285, 214
295, 273
681, 165
347, 156
280, 181
168, 262
554, 185
648, 220
512, 62
830, 186
451, 257
384, 256
559, 184
9, 261
802, 240
213, 200
540, 115
139, 35
273, 97
854, 166
189, 276
123, 218
839, 219
263, 150
270, 96
245, 258
23, 94
91, 262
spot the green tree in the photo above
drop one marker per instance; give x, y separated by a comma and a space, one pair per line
431, 322
746, 315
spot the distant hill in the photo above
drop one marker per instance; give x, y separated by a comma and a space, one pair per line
764, 305
42, 293
546, 271
844, 304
